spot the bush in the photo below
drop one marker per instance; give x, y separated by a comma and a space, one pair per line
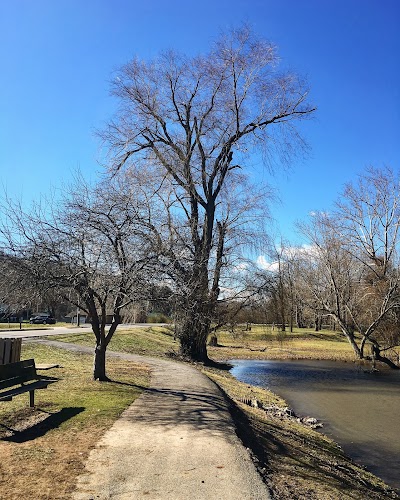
158, 318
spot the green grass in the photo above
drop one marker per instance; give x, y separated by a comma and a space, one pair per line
52, 441
76, 386
24, 326
28, 326
263, 342
260, 343
104, 401
151, 341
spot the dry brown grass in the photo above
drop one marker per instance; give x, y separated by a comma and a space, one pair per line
44, 449
264, 343
47, 467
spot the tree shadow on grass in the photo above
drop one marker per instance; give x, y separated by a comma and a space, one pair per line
220, 365
40, 428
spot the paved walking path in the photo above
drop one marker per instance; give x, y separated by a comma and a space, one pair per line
177, 441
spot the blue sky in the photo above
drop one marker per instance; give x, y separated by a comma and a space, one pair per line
57, 58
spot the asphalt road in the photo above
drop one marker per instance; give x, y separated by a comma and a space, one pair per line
42, 331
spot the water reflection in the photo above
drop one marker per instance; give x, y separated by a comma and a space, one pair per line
360, 409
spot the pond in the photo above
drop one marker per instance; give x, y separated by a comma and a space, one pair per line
360, 410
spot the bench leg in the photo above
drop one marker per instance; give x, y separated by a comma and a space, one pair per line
31, 399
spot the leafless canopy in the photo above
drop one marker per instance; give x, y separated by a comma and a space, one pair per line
196, 121
88, 247
353, 273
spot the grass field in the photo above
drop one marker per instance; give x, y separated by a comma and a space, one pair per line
263, 342
27, 326
260, 343
151, 341
44, 449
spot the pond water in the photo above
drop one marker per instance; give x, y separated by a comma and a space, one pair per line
360, 410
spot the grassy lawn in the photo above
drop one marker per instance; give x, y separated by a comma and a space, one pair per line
262, 342
259, 343
151, 341
44, 449
28, 326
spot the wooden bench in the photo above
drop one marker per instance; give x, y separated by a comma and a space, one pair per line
17, 378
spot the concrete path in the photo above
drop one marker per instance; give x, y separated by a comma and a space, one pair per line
177, 441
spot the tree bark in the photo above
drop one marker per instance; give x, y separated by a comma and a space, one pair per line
99, 365
376, 355
353, 343
193, 330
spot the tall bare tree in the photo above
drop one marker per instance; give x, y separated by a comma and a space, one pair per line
197, 120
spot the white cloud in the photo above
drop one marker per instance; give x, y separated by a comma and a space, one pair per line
242, 266
264, 264
287, 253
322, 214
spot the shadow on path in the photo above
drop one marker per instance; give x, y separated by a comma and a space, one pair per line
172, 408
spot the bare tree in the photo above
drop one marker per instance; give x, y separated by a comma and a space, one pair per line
90, 248
20, 296
281, 289
353, 271
12, 296
197, 120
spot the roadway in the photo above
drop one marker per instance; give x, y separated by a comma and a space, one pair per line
42, 331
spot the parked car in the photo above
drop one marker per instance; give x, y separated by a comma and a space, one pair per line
42, 319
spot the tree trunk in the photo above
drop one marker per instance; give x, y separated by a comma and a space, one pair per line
99, 365
377, 356
348, 332
353, 343
193, 332
213, 342
195, 312
282, 315
299, 317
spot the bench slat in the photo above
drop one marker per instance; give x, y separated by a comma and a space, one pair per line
39, 384
12, 381
11, 368
17, 373
22, 373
